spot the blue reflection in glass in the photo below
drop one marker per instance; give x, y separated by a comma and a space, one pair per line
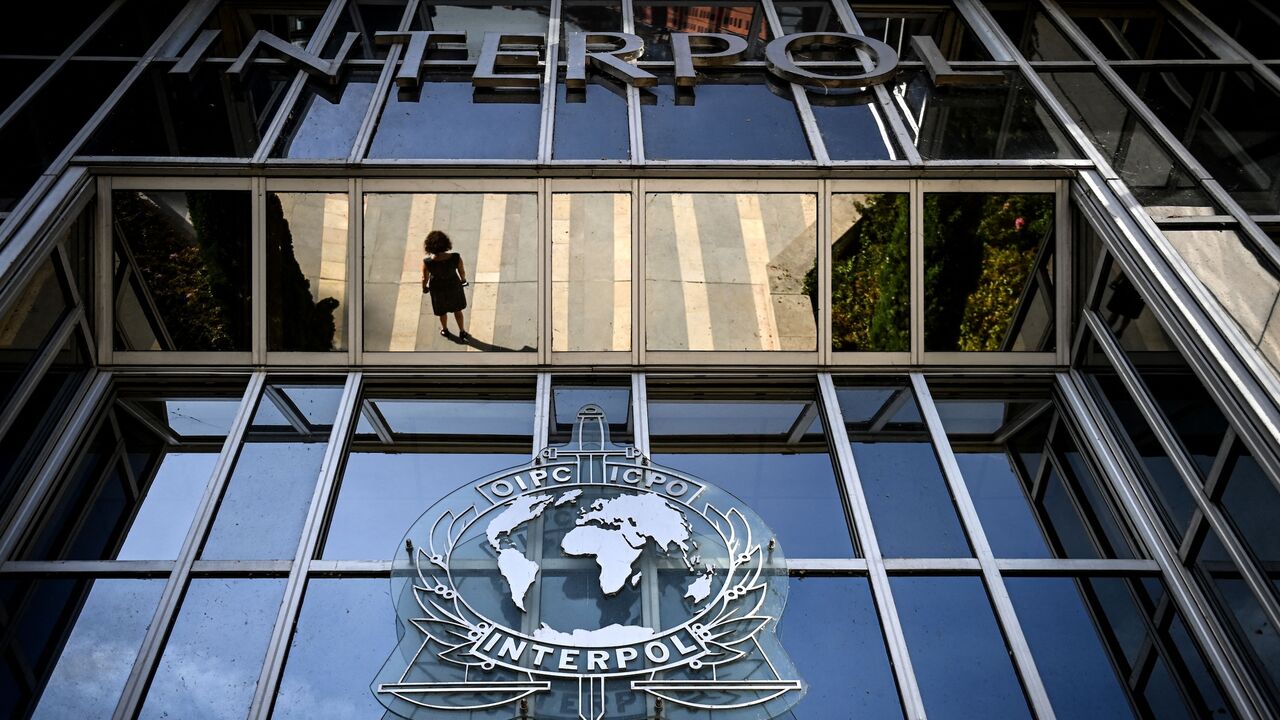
673, 418
852, 131
97, 657
211, 663
382, 494
327, 121
447, 123
266, 502
594, 129
345, 631
201, 417
724, 121
512, 418
957, 650
909, 500
1071, 657
162, 522
572, 601
833, 635
795, 494
1002, 506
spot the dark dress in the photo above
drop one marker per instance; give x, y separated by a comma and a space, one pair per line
446, 287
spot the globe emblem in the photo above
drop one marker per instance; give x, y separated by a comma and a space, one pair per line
589, 584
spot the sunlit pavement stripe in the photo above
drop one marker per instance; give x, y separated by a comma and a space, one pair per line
561, 255
333, 258
487, 274
693, 278
409, 299
757, 257
621, 273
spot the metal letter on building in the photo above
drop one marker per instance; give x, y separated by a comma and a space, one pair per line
589, 584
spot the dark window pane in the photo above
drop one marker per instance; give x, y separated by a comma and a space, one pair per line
1031, 30
589, 16
477, 17
1253, 24
908, 496
988, 272
279, 476
1252, 504
206, 114
49, 28
1219, 117
78, 655
656, 21
365, 18
211, 662
591, 123
833, 635
853, 130
568, 397
325, 119
870, 278
16, 76
1140, 30
740, 118
31, 317
352, 614
451, 120
189, 256
133, 28
238, 20
946, 26
39, 132
956, 648
307, 271
1004, 122
802, 16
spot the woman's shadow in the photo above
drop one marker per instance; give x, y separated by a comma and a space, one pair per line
473, 341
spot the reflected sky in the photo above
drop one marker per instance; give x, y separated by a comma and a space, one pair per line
162, 522
266, 501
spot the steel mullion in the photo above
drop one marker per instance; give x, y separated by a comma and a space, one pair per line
381, 91
634, 119
291, 604
166, 610
640, 412
551, 66
882, 593
1257, 581
541, 414
36, 369
1202, 622
1001, 602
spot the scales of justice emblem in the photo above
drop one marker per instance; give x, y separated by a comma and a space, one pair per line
589, 584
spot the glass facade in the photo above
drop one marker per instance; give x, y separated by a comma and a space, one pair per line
972, 302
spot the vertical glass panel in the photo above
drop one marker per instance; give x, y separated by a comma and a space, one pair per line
211, 662
409, 451
205, 114
448, 119
730, 272
988, 277
726, 117
1089, 637
306, 271
30, 318
1002, 121
325, 119
853, 127
941, 22
568, 395
162, 521
76, 639
187, 258
870, 272
591, 123
495, 235
1139, 30
655, 21
744, 443
959, 656
831, 630
1161, 183
590, 272
908, 496
354, 615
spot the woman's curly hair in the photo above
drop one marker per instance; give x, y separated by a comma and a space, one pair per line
437, 243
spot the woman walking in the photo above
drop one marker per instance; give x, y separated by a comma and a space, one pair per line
444, 276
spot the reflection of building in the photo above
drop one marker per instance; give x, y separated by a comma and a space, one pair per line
995, 361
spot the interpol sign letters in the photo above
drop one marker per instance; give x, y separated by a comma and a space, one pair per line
589, 584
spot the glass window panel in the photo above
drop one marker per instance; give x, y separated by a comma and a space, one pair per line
1244, 616
853, 127
1161, 183
729, 272
478, 18
959, 656
725, 117
206, 114
496, 236
1141, 30
1032, 32
211, 662
160, 527
238, 20
591, 122
365, 18
1254, 25
48, 29
746, 459
190, 252
306, 271
945, 25
325, 119
1251, 502
988, 259
78, 641
1220, 117
194, 417
279, 476
870, 272
35, 136
568, 396
1110, 536
512, 418
353, 614
449, 119
29, 320
908, 496
17, 75
590, 272
132, 28
802, 16
1001, 122
589, 16
829, 628
655, 21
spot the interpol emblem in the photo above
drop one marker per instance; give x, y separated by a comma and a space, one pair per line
589, 584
